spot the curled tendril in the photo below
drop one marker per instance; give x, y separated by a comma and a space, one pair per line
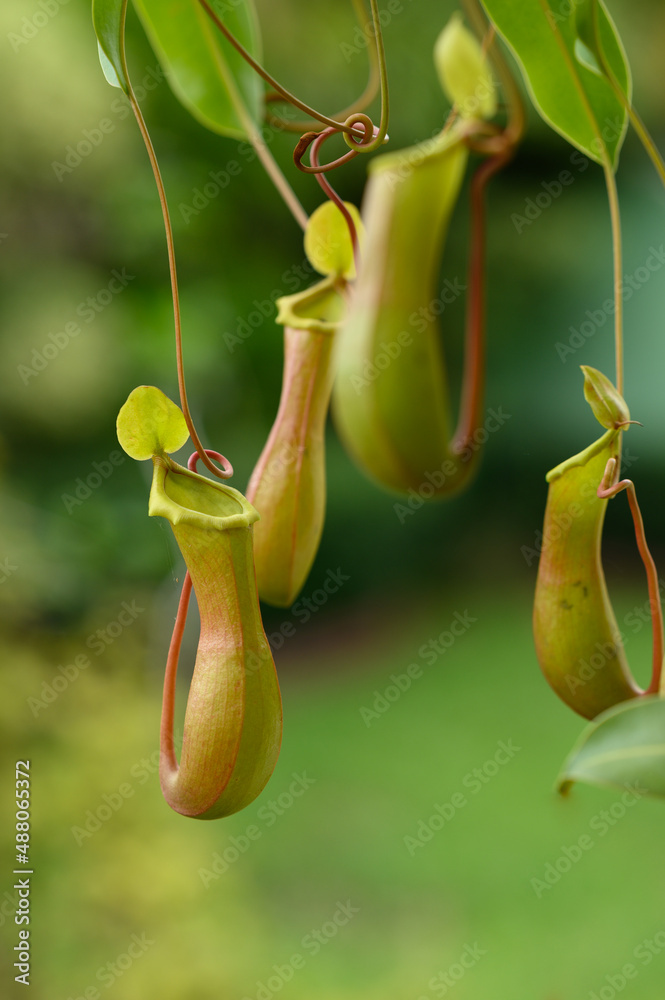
313, 141
362, 102
224, 473
281, 93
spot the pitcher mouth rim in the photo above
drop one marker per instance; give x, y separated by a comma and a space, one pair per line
162, 505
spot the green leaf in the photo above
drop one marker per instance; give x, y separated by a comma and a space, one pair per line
623, 745
207, 75
574, 99
149, 423
108, 21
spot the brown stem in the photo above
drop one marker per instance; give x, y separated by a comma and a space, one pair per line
473, 384
329, 190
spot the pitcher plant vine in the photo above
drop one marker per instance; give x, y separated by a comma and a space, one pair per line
343, 349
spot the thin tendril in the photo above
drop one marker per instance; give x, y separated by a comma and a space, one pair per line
615, 217
268, 161
369, 130
346, 127
612, 195
194, 458
360, 104
606, 490
329, 190
258, 68
184, 404
382, 131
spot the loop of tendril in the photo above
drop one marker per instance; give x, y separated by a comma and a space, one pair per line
315, 139
224, 473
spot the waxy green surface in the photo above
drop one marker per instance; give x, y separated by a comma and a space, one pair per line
233, 720
576, 634
288, 485
391, 398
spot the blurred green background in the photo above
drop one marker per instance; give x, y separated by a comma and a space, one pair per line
218, 918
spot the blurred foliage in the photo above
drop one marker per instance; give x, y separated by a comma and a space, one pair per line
218, 931
76, 556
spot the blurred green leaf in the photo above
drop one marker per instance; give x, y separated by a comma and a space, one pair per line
207, 75
108, 18
328, 240
574, 99
625, 744
464, 71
